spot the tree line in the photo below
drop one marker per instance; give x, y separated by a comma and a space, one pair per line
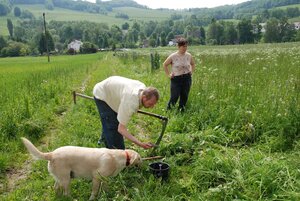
28, 37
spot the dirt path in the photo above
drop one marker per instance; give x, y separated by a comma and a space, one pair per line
15, 175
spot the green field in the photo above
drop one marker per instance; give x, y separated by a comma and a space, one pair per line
60, 14
238, 139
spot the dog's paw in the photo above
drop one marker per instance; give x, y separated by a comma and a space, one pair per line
92, 197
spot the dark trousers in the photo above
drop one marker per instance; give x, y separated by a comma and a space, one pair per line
180, 88
112, 138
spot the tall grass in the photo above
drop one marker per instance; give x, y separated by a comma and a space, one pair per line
238, 139
33, 92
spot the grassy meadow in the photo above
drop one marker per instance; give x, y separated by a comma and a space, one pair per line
61, 14
238, 139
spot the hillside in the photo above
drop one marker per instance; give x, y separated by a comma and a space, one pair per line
106, 12
62, 14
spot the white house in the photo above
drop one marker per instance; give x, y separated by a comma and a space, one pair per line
75, 44
297, 25
263, 30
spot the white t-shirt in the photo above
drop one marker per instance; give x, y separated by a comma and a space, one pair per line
121, 94
181, 64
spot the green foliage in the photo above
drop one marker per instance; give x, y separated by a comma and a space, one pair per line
49, 5
237, 140
122, 15
17, 11
15, 49
3, 42
4, 9
10, 27
46, 43
155, 61
88, 48
245, 31
26, 14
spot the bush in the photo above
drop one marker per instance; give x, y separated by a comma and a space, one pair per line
15, 49
87, 48
71, 51
17, 11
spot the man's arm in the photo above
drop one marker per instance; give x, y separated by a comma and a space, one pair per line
122, 129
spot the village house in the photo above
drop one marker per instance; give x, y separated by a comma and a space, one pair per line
297, 25
263, 30
75, 45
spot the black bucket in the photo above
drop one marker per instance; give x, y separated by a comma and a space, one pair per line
160, 169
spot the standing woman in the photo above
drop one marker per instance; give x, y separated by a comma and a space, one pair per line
182, 67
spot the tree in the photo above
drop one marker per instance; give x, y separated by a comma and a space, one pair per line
215, 33
26, 14
19, 34
116, 35
86, 35
287, 31
17, 11
149, 27
4, 9
15, 49
297, 37
202, 36
265, 15
88, 48
42, 43
136, 26
230, 33
245, 31
49, 5
3, 42
292, 12
66, 33
125, 26
272, 34
170, 36
10, 27
163, 39
278, 13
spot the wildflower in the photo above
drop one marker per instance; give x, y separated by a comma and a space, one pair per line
211, 97
251, 127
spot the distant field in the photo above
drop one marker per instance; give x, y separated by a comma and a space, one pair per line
146, 15
289, 6
60, 14
295, 19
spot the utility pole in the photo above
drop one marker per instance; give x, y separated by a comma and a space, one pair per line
46, 39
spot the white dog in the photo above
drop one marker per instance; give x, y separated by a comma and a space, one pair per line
92, 163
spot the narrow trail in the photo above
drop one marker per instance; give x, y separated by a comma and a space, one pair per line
16, 175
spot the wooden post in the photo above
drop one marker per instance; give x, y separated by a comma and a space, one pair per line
46, 39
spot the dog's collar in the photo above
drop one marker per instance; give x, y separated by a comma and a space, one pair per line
127, 159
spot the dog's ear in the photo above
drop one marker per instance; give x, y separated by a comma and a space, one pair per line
135, 158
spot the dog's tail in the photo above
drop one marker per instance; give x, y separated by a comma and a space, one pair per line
34, 151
